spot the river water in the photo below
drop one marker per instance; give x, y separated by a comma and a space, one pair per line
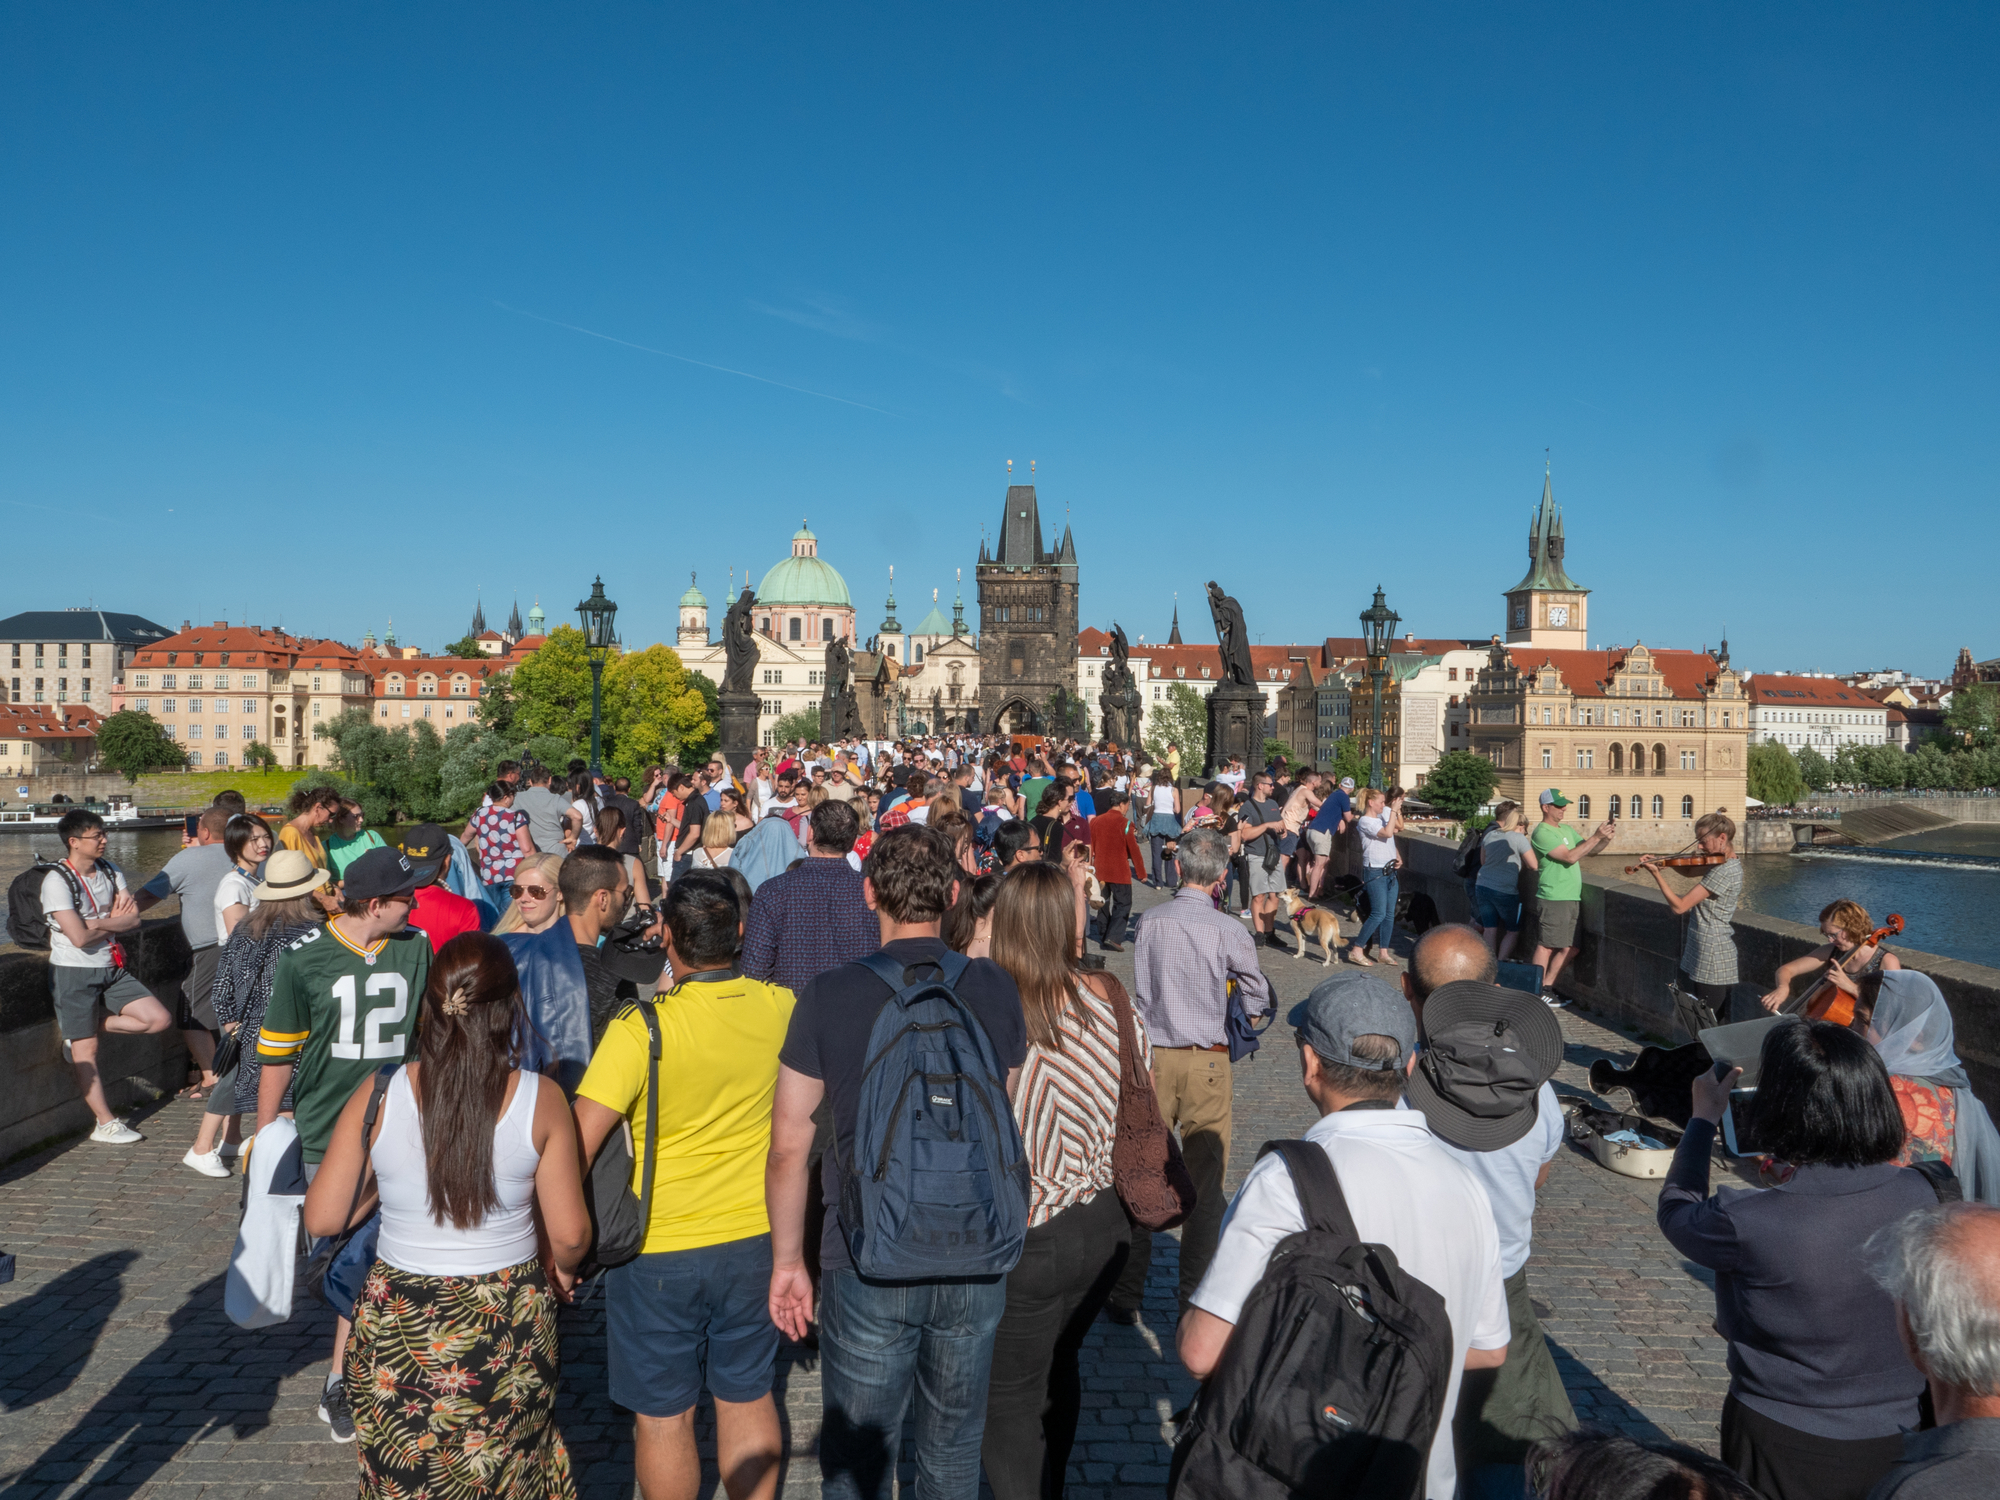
1946, 884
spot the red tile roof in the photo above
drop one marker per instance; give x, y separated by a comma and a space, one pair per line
1807, 692
1587, 674
59, 721
411, 668
253, 642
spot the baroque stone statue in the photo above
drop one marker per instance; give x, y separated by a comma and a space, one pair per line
739, 642
1231, 637
1118, 705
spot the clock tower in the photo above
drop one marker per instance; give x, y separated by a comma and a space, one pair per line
1547, 608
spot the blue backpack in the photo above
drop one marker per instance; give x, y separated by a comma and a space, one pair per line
937, 1185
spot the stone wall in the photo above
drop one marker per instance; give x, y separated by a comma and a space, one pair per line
1958, 809
1631, 953
38, 1094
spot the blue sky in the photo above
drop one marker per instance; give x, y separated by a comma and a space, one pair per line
293, 300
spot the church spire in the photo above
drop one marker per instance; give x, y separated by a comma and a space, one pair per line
957, 602
478, 618
514, 620
1174, 635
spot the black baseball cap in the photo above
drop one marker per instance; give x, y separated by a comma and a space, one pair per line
426, 846
1487, 1051
381, 872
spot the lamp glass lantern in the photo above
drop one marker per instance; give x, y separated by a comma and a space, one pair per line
597, 613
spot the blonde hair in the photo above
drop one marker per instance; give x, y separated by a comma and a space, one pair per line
1851, 917
1713, 823
718, 831
1506, 815
546, 865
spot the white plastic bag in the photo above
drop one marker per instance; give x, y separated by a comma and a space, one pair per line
258, 1291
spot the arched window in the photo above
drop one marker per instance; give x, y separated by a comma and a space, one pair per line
1617, 764
1659, 807
1638, 759
1659, 761
1687, 807
1614, 801
1583, 809
798, 629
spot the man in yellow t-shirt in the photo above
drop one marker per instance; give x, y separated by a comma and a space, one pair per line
702, 1279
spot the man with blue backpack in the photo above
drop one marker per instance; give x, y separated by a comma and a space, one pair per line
914, 1049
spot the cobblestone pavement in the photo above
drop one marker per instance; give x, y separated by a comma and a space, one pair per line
119, 1374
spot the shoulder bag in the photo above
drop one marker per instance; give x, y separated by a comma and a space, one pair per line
1146, 1167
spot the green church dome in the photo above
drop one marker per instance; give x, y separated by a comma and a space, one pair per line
694, 598
803, 579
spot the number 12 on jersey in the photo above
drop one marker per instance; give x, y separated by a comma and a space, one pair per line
373, 1046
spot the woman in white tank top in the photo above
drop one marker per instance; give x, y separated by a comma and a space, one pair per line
468, 1151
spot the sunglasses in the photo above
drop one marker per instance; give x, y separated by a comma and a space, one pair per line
539, 892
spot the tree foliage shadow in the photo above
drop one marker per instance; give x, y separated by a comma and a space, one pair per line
42, 1354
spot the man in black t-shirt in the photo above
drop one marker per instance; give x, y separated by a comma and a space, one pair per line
874, 1336
597, 895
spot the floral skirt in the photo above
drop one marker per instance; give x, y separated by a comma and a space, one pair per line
453, 1385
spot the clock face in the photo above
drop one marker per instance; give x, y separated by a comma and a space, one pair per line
1520, 615
1559, 614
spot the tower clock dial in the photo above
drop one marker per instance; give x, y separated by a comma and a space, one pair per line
1558, 614
1520, 616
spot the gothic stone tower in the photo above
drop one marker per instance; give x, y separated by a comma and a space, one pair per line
1027, 619
1547, 607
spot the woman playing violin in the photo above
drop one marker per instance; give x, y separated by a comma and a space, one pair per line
1847, 956
1708, 953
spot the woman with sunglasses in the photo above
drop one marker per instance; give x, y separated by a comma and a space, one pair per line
537, 903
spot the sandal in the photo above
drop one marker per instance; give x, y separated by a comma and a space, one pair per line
195, 1093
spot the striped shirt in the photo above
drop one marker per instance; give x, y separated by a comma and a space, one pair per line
1067, 1105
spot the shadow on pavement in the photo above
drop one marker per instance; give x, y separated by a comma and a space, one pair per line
47, 1337
169, 1399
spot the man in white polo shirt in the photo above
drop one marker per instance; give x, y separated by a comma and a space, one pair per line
1355, 1036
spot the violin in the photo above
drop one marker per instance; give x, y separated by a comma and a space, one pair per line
1827, 1001
1683, 861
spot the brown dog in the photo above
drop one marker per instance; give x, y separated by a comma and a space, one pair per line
1313, 922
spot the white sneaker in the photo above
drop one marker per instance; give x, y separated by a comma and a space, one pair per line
115, 1133
209, 1165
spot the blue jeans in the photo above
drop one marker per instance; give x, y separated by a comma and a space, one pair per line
1380, 927
879, 1342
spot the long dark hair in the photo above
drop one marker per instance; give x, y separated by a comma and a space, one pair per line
1034, 940
1824, 1097
471, 1039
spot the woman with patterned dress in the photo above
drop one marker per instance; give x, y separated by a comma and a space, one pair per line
452, 1367
499, 837
1066, 1100
1708, 953
1910, 1025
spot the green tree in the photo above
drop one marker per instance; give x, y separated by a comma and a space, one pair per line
258, 754
1182, 718
133, 743
1883, 766
1278, 750
1815, 770
496, 704
1459, 784
1350, 758
1974, 715
552, 689
799, 724
1930, 767
467, 647
472, 753
697, 748
652, 707
1774, 776
371, 763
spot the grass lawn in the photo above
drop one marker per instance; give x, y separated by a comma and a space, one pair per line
198, 789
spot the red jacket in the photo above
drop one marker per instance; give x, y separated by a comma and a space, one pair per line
1114, 853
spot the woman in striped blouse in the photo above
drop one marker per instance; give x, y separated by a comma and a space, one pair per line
1066, 1099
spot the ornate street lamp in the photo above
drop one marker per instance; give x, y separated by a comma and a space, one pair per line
1378, 629
596, 612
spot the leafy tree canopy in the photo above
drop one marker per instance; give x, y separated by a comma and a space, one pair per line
467, 647
1459, 784
134, 743
1818, 772
1974, 715
799, 724
1774, 777
1350, 758
1182, 718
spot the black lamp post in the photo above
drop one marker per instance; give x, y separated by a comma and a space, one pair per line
1378, 627
596, 612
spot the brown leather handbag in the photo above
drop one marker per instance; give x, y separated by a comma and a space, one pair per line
1146, 1167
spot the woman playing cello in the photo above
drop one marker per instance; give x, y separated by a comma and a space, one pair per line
1847, 955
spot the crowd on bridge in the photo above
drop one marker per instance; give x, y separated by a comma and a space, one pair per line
815, 1048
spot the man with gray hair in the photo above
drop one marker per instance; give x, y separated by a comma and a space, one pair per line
1942, 1265
1187, 956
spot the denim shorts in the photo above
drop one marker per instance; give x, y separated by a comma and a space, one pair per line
683, 1319
1499, 909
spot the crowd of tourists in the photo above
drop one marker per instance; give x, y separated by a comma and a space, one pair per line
816, 1050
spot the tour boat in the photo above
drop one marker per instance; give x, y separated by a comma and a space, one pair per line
120, 816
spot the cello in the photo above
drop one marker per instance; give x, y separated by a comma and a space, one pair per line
1827, 1001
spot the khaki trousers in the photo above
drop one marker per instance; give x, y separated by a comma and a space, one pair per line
1194, 1092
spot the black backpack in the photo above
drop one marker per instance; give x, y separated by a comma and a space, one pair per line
1334, 1381
618, 1220
27, 923
1471, 853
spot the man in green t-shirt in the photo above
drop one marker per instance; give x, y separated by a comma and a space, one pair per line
344, 1001
1559, 887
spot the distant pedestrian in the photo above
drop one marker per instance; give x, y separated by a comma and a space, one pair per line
1504, 851
312, 809
500, 839
1379, 863
1708, 952
1328, 824
194, 875
1116, 855
815, 916
718, 837
438, 913
347, 838
544, 808
596, 895
1260, 833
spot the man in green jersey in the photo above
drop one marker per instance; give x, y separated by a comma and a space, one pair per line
343, 1002
1559, 888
